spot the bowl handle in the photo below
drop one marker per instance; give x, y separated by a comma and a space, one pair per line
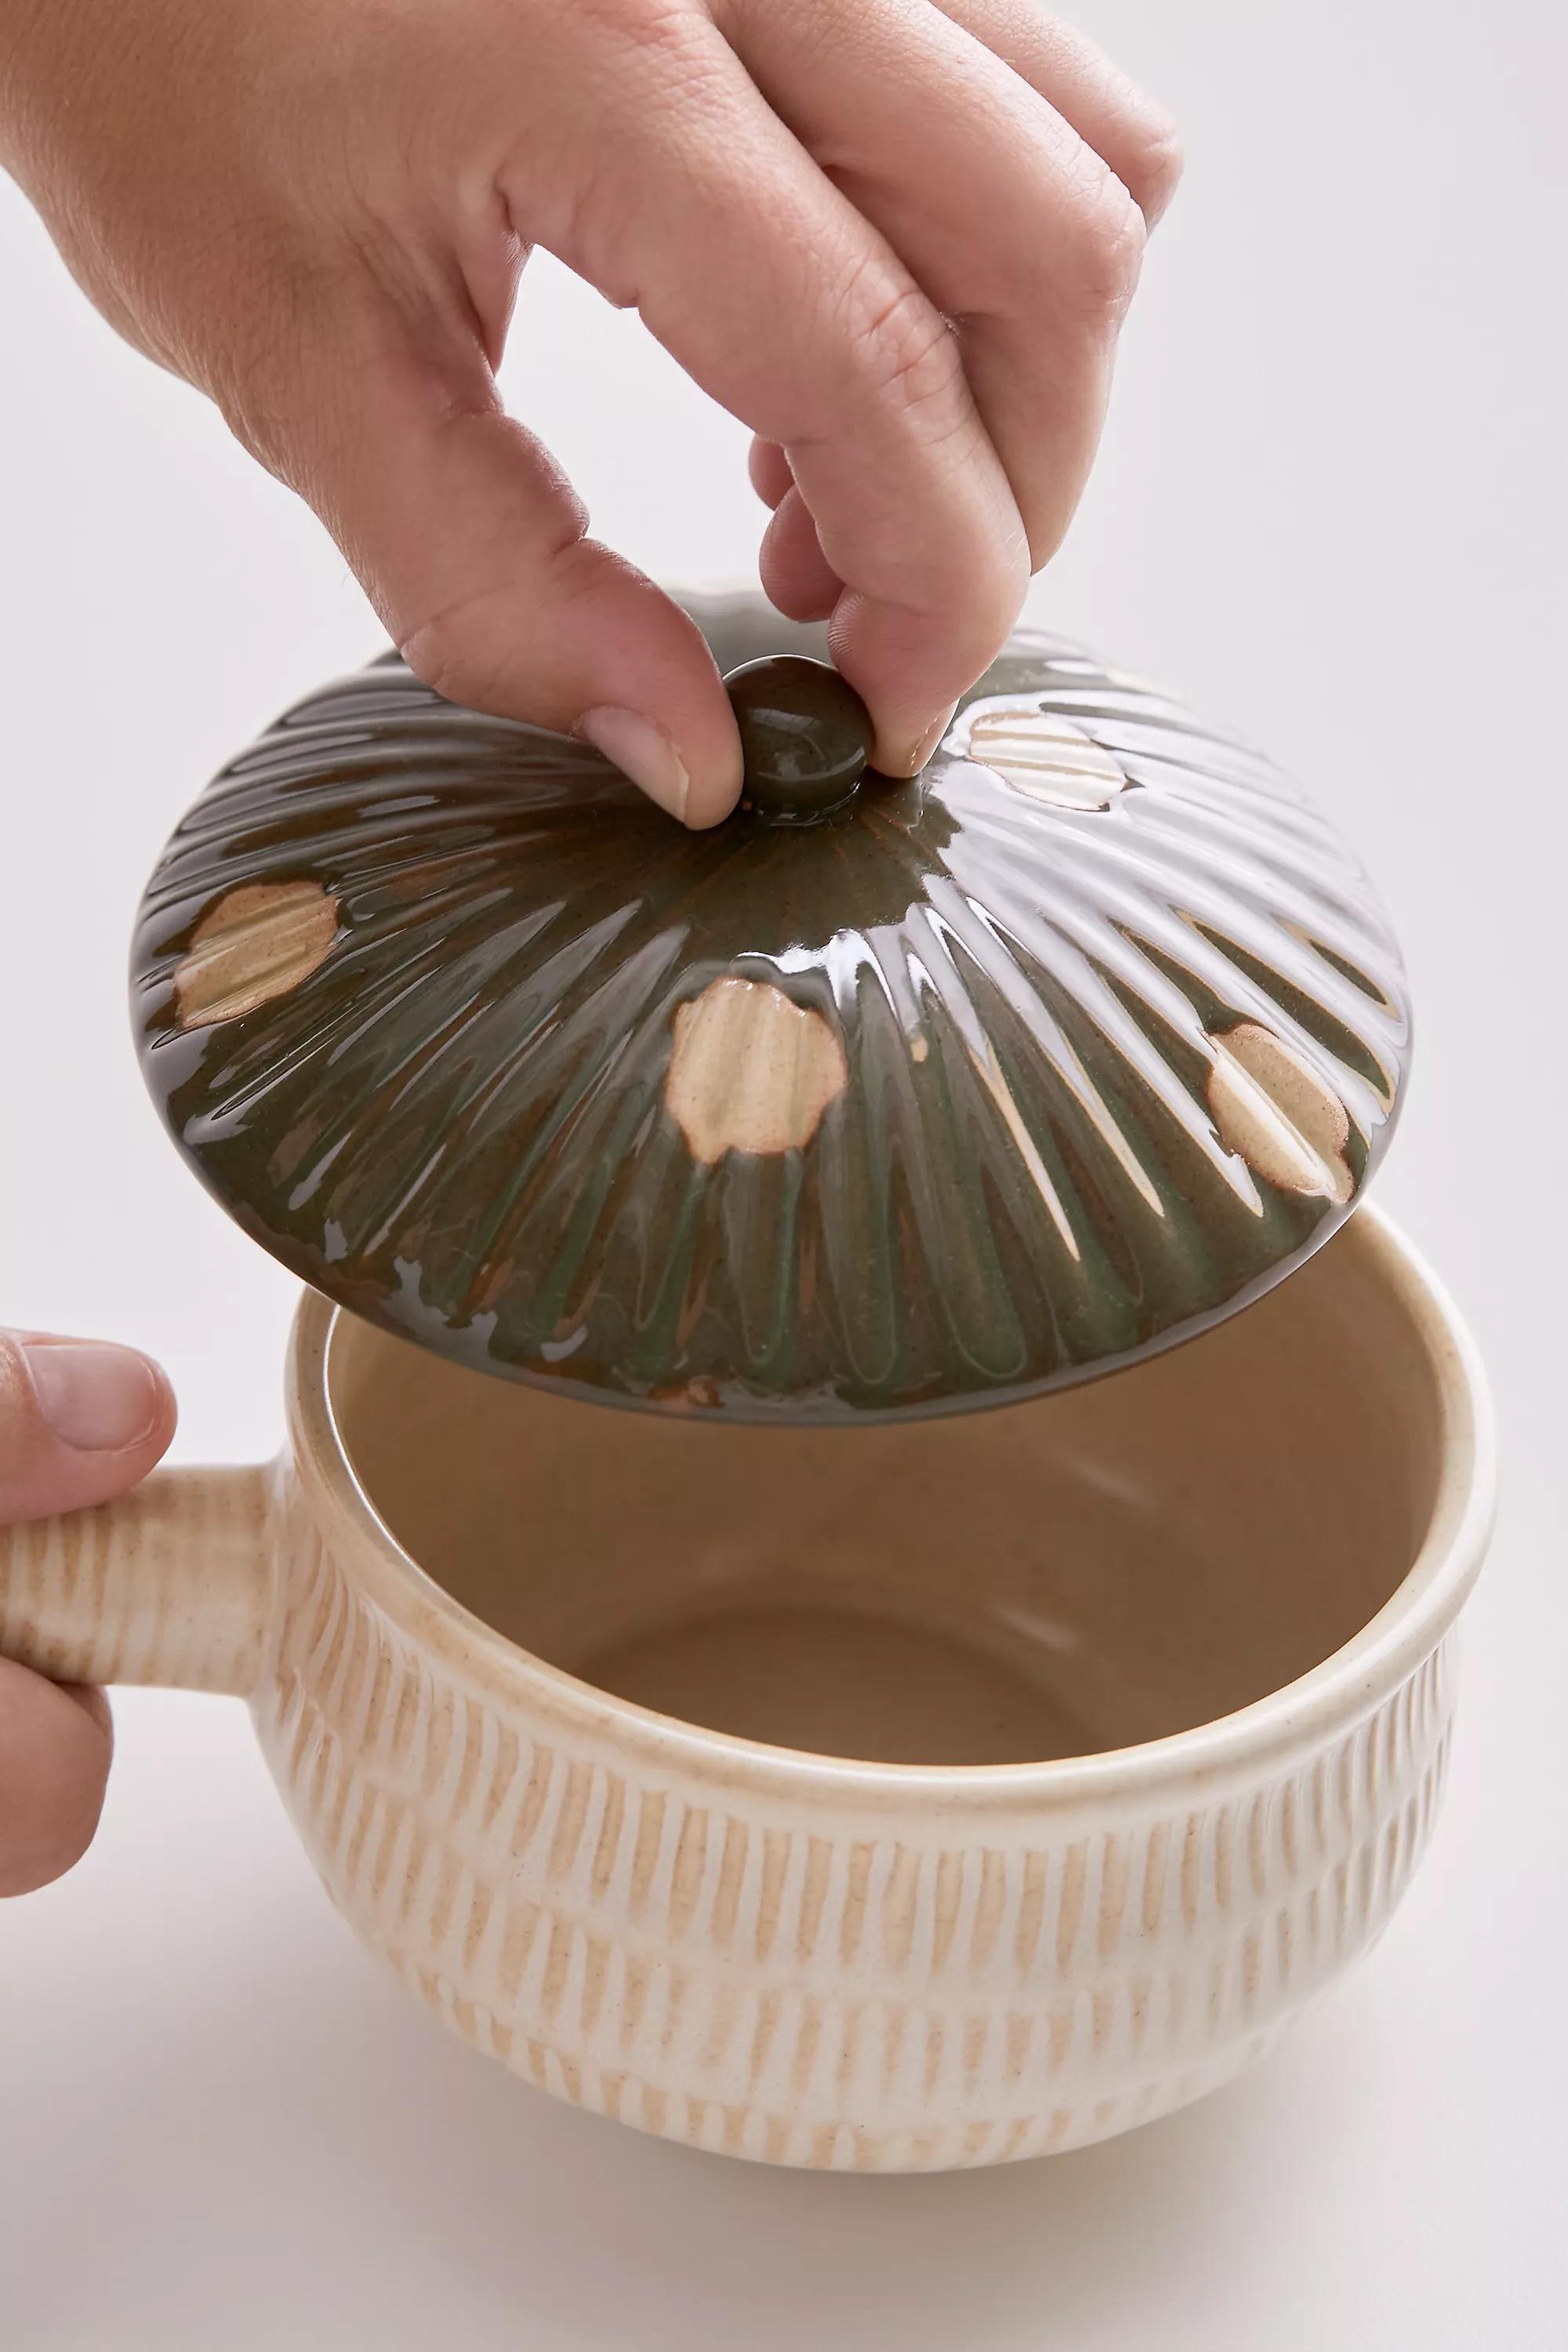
168, 1584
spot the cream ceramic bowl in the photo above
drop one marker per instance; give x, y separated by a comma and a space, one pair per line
1155, 1676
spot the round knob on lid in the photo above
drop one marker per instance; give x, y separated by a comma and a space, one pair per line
805, 736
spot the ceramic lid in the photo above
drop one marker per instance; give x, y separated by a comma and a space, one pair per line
945, 1093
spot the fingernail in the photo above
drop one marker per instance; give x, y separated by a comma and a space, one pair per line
924, 745
642, 751
94, 1397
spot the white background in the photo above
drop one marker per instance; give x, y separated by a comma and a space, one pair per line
1330, 508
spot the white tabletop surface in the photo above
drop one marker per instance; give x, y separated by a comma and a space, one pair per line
1331, 506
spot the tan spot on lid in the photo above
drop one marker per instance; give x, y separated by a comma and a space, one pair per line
1041, 754
751, 1070
1284, 1120
257, 943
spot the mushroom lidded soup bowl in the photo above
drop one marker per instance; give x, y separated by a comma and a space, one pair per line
993, 1668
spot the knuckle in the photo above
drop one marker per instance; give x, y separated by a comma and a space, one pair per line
673, 37
909, 352
469, 649
1100, 255
454, 653
1151, 160
254, 392
255, 425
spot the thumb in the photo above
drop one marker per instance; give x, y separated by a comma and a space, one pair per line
79, 1421
472, 546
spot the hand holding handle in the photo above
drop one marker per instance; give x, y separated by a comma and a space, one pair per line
165, 1585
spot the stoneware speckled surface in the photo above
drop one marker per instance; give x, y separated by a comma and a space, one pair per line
952, 1792
981, 1083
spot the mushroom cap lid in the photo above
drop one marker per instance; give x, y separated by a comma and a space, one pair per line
986, 1082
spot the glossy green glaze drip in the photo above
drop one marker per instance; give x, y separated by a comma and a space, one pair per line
926, 1104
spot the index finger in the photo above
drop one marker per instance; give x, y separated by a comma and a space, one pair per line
789, 309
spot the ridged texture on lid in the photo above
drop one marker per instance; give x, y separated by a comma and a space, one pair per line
989, 1081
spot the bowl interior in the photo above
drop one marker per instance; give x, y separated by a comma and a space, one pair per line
1095, 1570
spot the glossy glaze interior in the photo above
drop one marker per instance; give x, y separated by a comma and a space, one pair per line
1085, 1572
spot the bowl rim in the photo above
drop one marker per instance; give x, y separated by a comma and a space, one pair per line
1301, 1716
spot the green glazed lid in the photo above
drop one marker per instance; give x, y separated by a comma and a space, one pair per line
937, 1094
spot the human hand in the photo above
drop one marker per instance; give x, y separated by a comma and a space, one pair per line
896, 240
79, 1421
